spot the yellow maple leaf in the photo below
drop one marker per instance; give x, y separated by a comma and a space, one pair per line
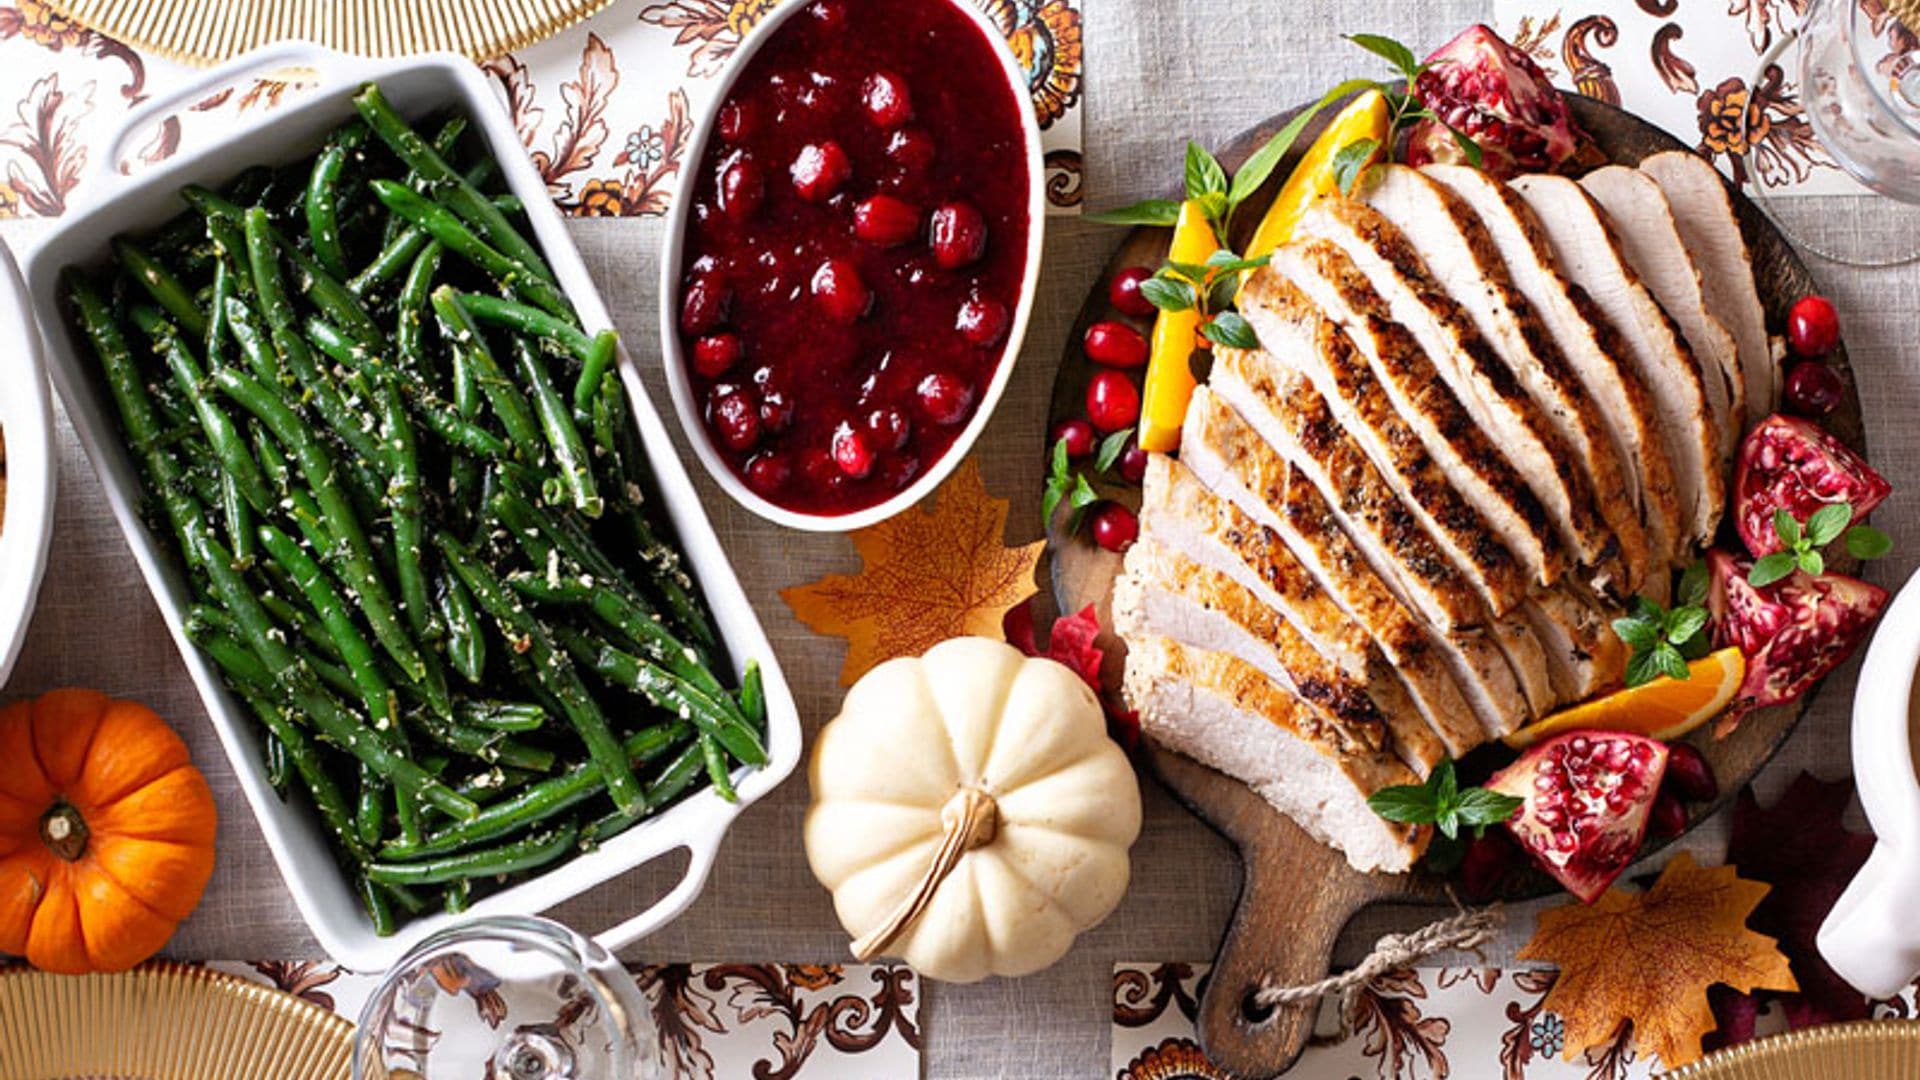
1650, 957
927, 575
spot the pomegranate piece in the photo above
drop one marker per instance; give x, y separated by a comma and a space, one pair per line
944, 399
982, 320
1792, 632
851, 452
1113, 526
1123, 292
705, 304
819, 170
1133, 463
888, 102
838, 290
1498, 97
742, 188
1115, 345
1689, 775
736, 420
768, 473
885, 221
1584, 798
1078, 435
1791, 464
911, 150
889, 428
715, 354
958, 235
1813, 389
1813, 326
1113, 402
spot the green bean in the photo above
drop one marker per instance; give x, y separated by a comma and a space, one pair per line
717, 769
600, 357
404, 500
552, 669
373, 897
165, 289
445, 226
753, 697
375, 692
409, 900
666, 691
563, 438
457, 897
406, 244
235, 459
525, 319
633, 624
528, 854
323, 196
254, 346
672, 782
516, 716
463, 198
523, 431
494, 781
493, 747
412, 305
238, 515
273, 756
466, 643
323, 289
433, 410
370, 807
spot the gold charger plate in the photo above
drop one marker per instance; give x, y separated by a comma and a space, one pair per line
210, 31
1868, 1050
164, 1021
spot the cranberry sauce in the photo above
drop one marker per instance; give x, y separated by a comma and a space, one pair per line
855, 250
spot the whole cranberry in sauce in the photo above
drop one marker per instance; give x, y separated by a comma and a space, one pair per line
843, 326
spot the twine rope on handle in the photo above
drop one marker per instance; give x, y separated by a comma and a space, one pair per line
971, 819
1465, 930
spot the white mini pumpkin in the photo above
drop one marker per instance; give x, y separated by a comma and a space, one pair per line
970, 814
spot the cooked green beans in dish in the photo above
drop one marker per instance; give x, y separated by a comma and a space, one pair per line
402, 480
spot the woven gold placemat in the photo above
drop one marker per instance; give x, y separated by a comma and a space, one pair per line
210, 31
1868, 1050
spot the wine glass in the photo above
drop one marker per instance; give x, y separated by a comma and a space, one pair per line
507, 998
1857, 65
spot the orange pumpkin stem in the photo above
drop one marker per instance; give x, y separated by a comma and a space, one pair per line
64, 831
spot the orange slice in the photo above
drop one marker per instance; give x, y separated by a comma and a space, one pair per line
1663, 709
1366, 117
1169, 383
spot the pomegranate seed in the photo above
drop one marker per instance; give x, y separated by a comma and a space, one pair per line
1813, 389
1115, 344
1113, 402
1813, 326
715, 354
768, 473
742, 187
736, 420
704, 306
911, 151
944, 399
1113, 526
889, 428
959, 235
888, 102
737, 120
982, 321
1488, 860
850, 452
1123, 292
840, 292
1689, 775
885, 221
1668, 818
1133, 463
819, 170
1077, 433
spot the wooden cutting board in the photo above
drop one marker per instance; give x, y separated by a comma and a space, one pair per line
1298, 894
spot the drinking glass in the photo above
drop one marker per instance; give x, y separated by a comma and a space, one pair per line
507, 998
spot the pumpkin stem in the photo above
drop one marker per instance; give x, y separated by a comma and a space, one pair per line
64, 831
972, 820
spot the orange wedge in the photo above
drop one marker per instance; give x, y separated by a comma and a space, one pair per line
1663, 709
1366, 117
1169, 383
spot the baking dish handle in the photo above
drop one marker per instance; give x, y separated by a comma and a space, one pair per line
701, 850
331, 65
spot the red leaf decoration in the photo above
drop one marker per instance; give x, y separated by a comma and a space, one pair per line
1073, 640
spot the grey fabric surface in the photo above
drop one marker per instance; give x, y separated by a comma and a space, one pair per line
1160, 71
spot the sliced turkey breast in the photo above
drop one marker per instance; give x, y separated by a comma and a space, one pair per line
1589, 343
1704, 212
1643, 219
1470, 367
1461, 256
1584, 655
1589, 253
1231, 458
1224, 713
1296, 335
1406, 375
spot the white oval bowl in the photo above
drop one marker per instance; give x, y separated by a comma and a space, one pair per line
679, 382
26, 422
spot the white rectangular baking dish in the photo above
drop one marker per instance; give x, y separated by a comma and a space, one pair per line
26, 423
117, 204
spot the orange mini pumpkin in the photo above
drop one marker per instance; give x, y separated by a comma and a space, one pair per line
106, 832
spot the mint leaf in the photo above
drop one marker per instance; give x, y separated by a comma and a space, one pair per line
1771, 568
1082, 495
1231, 329
1787, 528
1111, 448
1146, 212
1867, 542
1349, 160
1410, 803
1169, 294
1671, 663
1694, 584
1391, 51
1642, 667
1264, 160
1695, 647
1204, 174
1481, 807
1467, 146
1636, 633
1684, 623
1827, 523
1811, 561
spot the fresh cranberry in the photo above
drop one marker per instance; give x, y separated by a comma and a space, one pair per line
982, 320
840, 292
736, 420
715, 354
888, 103
705, 305
885, 221
768, 473
820, 470
1132, 463
1113, 402
889, 428
1123, 292
944, 399
737, 120
911, 150
829, 15
1813, 326
1668, 818
851, 452
1115, 344
959, 235
899, 470
1113, 526
776, 411
1813, 389
1689, 775
1078, 435
742, 187
819, 170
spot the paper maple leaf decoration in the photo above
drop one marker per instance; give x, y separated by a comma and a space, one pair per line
1650, 957
927, 575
